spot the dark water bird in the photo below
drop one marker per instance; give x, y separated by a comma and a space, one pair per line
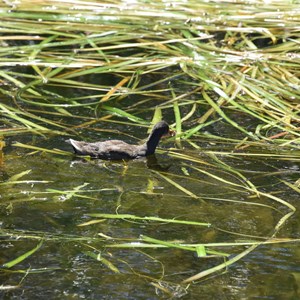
116, 149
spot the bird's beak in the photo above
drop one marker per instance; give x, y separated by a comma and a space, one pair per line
169, 133
172, 132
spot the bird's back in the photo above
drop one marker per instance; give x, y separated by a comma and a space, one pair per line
112, 149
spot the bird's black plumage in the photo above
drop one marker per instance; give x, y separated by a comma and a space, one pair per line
117, 149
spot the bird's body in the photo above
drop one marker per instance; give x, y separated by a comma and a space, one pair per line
117, 149
112, 149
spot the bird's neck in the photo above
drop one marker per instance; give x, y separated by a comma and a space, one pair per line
152, 143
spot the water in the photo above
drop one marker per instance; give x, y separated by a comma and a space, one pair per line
41, 207
54, 195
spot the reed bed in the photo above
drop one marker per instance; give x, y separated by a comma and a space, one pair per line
229, 58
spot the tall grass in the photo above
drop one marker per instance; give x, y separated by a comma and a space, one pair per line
227, 58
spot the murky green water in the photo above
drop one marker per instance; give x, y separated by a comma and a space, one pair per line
203, 57
61, 269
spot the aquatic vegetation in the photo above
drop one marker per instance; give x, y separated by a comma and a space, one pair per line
225, 74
